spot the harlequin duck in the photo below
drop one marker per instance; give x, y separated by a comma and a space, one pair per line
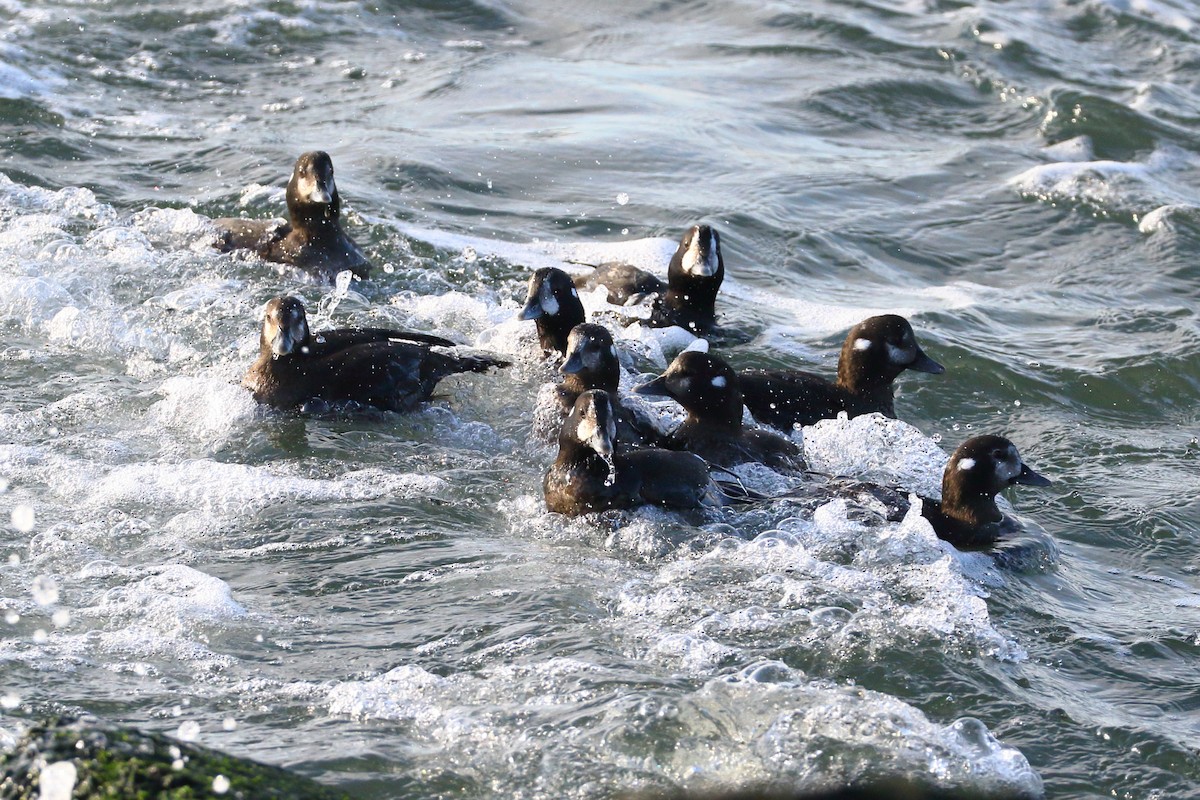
876, 351
693, 279
313, 239
553, 301
592, 363
687, 298
981, 468
590, 475
708, 389
388, 369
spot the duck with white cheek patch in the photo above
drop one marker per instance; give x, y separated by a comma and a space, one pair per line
391, 370
554, 303
592, 363
710, 392
967, 515
874, 354
313, 238
590, 475
981, 468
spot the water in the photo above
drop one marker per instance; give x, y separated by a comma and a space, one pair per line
381, 602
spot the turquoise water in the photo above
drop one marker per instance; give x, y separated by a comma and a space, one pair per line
382, 603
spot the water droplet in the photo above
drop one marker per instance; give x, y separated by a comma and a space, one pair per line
220, 784
3, 485
622, 198
45, 590
1016, 402
489, 183
176, 711
624, 231
469, 255
61, 618
14, 558
9, 701
188, 731
22, 518
40, 636
12, 617
177, 764
230, 724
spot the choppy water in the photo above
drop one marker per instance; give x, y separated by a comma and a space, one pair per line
381, 602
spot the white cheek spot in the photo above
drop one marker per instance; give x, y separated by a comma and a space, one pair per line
697, 265
862, 344
574, 292
966, 464
719, 381
549, 302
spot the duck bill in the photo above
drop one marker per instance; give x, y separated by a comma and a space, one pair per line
654, 388
532, 310
923, 363
1028, 477
574, 364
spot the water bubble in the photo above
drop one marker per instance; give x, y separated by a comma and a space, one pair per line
188, 731
45, 590
61, 618
220, 784
10, 701
622, 198
624, 231
1016, 402
229, 724
469, 255
22, 518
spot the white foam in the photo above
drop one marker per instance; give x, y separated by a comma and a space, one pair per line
228, 491
874, 448
775, 727
201, 409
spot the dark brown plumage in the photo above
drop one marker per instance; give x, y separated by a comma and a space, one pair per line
312, 239
387, 369
875, 352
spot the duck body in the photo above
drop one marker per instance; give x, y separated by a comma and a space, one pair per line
312, 239
626, 284
875, 352
589, 475
391, 370
708, 389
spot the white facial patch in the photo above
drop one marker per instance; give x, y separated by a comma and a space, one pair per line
965, 464
591, 434
862, 344
309, 188
547, 300
697, 265
719, 381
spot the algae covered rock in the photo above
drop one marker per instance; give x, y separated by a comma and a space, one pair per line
65, 758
